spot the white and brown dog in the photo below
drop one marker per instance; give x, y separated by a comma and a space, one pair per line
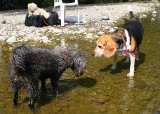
124, 41
34, 10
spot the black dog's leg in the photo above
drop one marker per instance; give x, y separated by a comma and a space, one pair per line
33, 93
15, 98
43, 84
54, 83
31, 103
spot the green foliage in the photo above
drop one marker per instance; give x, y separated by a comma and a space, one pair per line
7, 4
46, 3
11, 4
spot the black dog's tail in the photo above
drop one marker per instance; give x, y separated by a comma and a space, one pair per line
17, 58
131, 12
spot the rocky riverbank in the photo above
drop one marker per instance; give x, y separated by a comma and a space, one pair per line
12, 28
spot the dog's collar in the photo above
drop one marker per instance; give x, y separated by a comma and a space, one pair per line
64, 55
126, 40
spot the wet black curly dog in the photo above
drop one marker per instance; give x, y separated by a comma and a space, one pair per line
30, 64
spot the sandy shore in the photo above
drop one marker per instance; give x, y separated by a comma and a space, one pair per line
12, 28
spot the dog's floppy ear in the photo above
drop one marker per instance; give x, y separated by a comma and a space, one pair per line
29, 5
110, 47
117, 39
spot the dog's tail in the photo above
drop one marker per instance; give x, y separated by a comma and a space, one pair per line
17, 58
131, 12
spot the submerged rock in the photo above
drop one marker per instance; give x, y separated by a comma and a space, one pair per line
100, 33
111, 30
152, 19
89, 35
45, 39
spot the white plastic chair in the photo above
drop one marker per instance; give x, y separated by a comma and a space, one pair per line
63, 10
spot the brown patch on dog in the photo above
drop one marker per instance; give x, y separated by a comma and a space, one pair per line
133, 44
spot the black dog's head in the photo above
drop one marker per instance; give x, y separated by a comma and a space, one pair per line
79, 63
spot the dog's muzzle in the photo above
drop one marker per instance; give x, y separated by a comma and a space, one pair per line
93, 54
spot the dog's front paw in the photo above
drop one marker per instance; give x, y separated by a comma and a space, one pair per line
113, 67
130, 74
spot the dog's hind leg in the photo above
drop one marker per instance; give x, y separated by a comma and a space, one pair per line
15, 98
31, 103
137, 53
54, 83
127, 59
16, 82
132, 59
137, 59
31, 98
114, 61
33, 92
43, 84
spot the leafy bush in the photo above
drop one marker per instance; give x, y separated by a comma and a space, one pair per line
11, 4
7, 4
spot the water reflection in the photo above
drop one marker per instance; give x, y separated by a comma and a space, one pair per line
63, 44
131, 82
158, 14
0, 52
128, 95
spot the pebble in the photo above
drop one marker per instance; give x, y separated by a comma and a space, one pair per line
152, 19
111, 30
45, 39
100, 33
108, 27
144, 16
12, 39
89, 35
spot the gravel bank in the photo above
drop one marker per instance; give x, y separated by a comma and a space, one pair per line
12, 28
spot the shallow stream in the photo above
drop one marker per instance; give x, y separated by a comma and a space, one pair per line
100, 89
